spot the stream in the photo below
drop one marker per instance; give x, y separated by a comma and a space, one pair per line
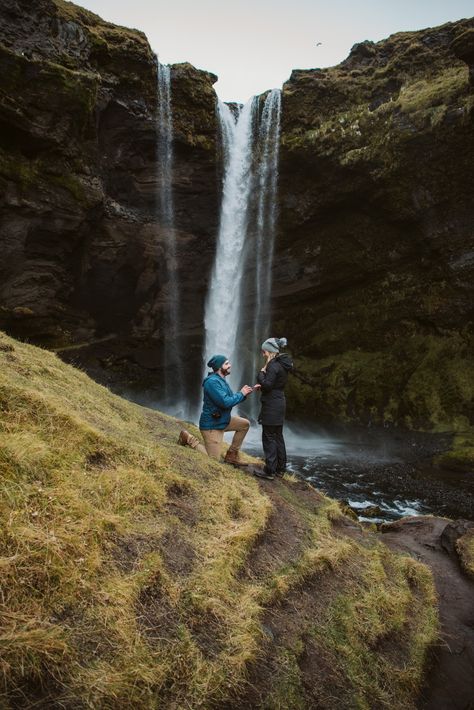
391, 470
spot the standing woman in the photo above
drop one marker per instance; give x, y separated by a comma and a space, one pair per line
272, 380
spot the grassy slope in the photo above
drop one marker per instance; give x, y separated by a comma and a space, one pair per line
137, 573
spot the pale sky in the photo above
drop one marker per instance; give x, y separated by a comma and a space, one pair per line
252, 45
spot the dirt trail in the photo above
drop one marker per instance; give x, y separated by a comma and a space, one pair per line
450, 682
281, 542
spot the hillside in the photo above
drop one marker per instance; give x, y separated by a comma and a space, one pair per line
136, 573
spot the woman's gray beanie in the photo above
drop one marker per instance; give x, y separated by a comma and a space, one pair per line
273, 345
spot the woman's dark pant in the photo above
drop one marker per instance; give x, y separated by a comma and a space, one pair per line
274, 449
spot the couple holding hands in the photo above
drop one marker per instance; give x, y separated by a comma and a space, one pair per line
219, 400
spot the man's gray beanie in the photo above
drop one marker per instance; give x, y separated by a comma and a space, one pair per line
273, 345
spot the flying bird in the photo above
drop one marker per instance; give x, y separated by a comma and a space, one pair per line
318, 44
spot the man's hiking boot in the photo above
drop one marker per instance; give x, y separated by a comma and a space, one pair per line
185, 438
233, 458
262, 473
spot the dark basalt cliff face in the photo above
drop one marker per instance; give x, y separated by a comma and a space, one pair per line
374, 271
374, 261
83, 252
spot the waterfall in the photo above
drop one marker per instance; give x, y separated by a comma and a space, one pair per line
244, 249
223, 306
173, 386
165, 145
266, 217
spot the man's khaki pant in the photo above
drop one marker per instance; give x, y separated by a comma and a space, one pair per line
213, 437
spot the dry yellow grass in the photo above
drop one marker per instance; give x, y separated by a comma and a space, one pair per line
123, 559
465, 550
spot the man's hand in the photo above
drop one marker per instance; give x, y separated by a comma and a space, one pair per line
246, 390
257, 387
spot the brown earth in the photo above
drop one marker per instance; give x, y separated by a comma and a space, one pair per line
450, 682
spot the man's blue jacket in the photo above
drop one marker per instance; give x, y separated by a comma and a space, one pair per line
218, 400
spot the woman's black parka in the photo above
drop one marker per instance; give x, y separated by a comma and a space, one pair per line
273, 383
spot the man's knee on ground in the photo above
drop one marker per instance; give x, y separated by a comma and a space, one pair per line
212, 455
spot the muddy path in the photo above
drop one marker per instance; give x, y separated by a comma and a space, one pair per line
450, 679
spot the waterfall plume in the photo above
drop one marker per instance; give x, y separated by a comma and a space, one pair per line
237, 314
266, 217
223, 306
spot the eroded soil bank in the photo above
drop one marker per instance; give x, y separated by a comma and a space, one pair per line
450, 682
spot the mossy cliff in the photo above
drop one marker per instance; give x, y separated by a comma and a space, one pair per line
83, 249
138, 573
374, 262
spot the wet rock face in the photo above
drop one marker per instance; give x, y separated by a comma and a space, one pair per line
83, 250
375, 256
374, 261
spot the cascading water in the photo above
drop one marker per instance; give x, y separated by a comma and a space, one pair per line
223, 306
266, 218
245, 242
173, 386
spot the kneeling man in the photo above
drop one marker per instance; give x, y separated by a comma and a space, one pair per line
216, 414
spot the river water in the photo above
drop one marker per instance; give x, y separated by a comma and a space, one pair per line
388, 469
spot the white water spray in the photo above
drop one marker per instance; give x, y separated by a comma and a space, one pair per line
244, 250
223, 306
267, 213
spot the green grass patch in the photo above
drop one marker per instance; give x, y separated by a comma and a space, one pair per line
443, 88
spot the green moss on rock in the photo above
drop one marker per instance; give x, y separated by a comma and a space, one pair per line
45, 175
374, 251
425, 383
52, 91
461, 455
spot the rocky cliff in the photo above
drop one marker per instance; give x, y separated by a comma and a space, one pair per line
375, 258
84, 254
